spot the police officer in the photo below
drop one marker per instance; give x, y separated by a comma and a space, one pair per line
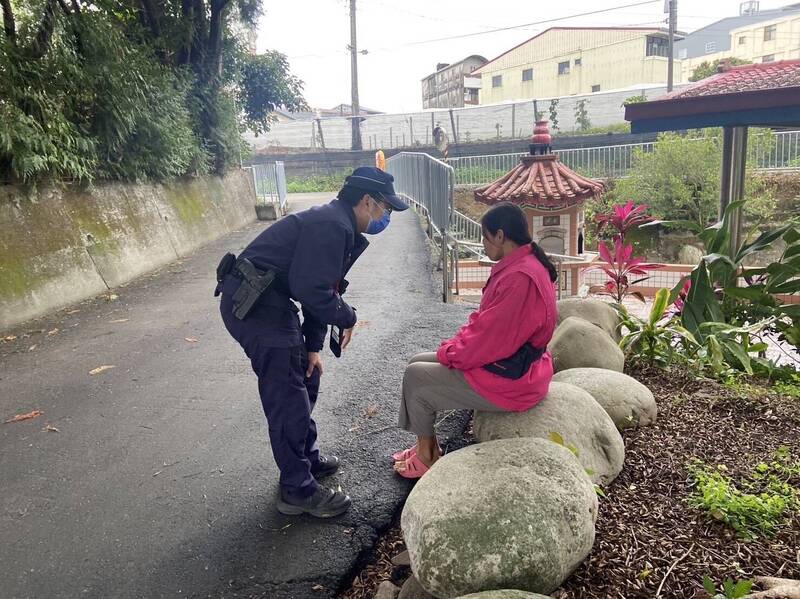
303, 257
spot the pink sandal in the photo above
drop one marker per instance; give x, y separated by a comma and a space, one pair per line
413, 467
401, 456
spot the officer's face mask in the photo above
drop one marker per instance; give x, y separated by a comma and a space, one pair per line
376, 226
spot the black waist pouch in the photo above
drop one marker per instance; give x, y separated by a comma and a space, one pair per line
517, 365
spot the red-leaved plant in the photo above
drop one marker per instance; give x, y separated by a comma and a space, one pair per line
621, 266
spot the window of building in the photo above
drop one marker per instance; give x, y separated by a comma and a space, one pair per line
595, 89
551, 221
770, 33
711, 47
742, 40
497, 81
683, 53
563, 68
657, 46
527, 74
578, 62
768, 58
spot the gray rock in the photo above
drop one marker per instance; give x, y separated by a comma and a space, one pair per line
627, 401
577, 343
412, 589
596, 311
401, 559
514, 513
690, 254
570, 413
386, 590
505, 594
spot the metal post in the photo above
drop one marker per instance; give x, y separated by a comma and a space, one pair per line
725, 175
673, 24
411, 129
355, 121
738, 172
513, 121
391, 138
453, 125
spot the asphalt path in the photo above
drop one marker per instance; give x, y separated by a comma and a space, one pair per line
154, 478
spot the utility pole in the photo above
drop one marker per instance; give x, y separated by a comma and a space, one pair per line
672, 8
355, 119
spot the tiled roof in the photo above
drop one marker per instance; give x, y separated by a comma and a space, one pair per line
540, 181
745, 78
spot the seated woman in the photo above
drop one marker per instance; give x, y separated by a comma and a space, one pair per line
498, 360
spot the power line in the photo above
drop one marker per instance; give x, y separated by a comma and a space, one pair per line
522, 26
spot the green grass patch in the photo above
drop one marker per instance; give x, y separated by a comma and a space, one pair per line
317, 183
755, 506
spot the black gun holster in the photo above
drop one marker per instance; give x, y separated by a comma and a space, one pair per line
253, 284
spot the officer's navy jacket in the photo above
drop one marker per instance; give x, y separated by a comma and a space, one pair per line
311, 251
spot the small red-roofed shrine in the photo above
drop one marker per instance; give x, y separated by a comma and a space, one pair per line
551, 194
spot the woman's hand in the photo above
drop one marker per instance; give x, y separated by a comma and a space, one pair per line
314, 361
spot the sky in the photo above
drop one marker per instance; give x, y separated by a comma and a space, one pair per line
314, 35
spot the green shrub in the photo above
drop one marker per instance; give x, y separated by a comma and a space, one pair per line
317, 183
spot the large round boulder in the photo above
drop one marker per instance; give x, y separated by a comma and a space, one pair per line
626, 400
505, 594
596, 311
567, 415
577, 343
514, 513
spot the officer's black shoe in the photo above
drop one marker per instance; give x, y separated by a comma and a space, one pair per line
326, 466
324, 503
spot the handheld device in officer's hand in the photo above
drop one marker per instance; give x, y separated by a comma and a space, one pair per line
336, 341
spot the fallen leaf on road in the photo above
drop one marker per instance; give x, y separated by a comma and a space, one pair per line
318, 588
51, 429
191, 339
110, 297
73, 311
100, 369
363, 323
28, 416
371, 410
10, 338
119, 320
53, 332
32, 347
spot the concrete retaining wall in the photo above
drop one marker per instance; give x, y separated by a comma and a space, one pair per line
62, 244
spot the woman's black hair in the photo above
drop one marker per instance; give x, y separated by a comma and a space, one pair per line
511, 219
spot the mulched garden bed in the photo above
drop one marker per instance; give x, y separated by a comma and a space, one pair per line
649, 539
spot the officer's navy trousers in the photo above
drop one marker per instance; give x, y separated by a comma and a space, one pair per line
287, 396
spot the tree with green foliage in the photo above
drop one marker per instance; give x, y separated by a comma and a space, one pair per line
132, 89
706, 69
680, 178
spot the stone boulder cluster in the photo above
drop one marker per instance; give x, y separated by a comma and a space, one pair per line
514, 515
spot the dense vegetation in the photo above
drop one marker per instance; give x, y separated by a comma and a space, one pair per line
132, 89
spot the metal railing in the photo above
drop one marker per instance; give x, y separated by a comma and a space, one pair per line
270, 183
780, 151
428, 184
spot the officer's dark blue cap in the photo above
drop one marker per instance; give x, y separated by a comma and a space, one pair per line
376, 183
